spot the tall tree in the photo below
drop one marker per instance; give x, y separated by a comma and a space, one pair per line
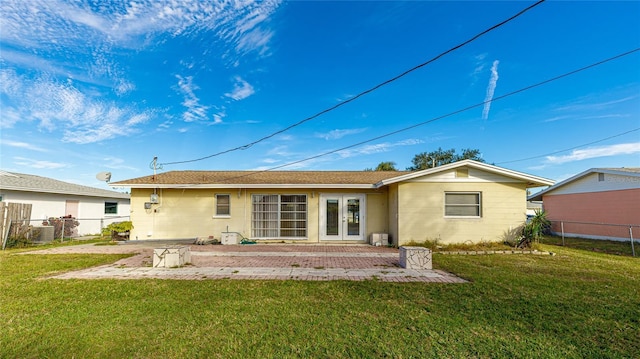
384, 166
440, 157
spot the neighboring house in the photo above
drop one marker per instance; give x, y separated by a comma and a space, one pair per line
93, 207
466, 201
600, 203
532, 207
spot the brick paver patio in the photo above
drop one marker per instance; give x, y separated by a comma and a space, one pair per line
258, 261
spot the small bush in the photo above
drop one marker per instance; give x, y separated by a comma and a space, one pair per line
119, 231
118, 227
69, 224
534, 229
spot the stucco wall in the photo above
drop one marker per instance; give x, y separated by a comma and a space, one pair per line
421, 212
190, 213
377, 208
611, 207
90, 209
393, 212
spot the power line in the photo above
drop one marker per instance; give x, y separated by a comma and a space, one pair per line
363, 93
571, 148
555, 78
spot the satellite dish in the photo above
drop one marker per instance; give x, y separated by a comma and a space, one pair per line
104, 176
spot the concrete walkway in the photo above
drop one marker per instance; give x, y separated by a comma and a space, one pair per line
259, 261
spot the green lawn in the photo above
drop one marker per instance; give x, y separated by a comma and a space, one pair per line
611, 247
576, 304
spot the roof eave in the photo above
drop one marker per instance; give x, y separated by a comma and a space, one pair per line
239, 185
538, 196
531, 181
38, 190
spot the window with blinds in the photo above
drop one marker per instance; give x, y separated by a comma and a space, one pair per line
462, 204
279, 216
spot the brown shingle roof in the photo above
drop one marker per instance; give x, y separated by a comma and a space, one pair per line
262, 178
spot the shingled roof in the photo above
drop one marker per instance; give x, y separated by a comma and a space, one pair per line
261, 178
31, 183
309, 179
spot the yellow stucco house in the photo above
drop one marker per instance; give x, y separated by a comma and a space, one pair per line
466, 201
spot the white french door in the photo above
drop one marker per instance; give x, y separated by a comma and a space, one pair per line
342, 217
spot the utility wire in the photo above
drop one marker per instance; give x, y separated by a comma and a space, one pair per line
571, 148
363, 93
566, 74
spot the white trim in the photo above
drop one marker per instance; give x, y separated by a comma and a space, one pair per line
533, 180
279, 217
479, 205
250, 186
215, 205
342, 201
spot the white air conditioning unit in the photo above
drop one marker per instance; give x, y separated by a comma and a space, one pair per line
229, 238
379, 239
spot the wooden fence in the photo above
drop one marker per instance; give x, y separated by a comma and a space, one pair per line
14, 218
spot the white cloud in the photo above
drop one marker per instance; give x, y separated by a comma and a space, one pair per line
24, 145
165, 125
479, 64
55, 23
28, 162
279, 151
377, 148
90, 38
491, 88
241, 89
337, 134
595, 152
195, 111
62, 106
589, 104
283, 137
123, 87
116, 163
217, 117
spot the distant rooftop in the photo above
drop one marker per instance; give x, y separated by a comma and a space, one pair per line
31, 183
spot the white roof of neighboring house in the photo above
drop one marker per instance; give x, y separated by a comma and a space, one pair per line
32, 183
310, 179
633, 172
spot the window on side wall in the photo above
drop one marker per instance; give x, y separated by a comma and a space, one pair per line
463, 204
223, 205
111, 208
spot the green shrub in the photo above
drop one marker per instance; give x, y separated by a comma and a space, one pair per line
118, 227
534, 229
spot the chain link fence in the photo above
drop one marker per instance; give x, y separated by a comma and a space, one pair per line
39, 231
600, 231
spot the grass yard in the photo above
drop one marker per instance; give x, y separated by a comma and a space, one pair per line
597, 245
576, 304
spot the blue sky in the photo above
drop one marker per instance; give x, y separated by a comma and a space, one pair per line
90, 86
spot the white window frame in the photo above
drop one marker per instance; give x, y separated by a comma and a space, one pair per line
478, 205
219, 215
271, 217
